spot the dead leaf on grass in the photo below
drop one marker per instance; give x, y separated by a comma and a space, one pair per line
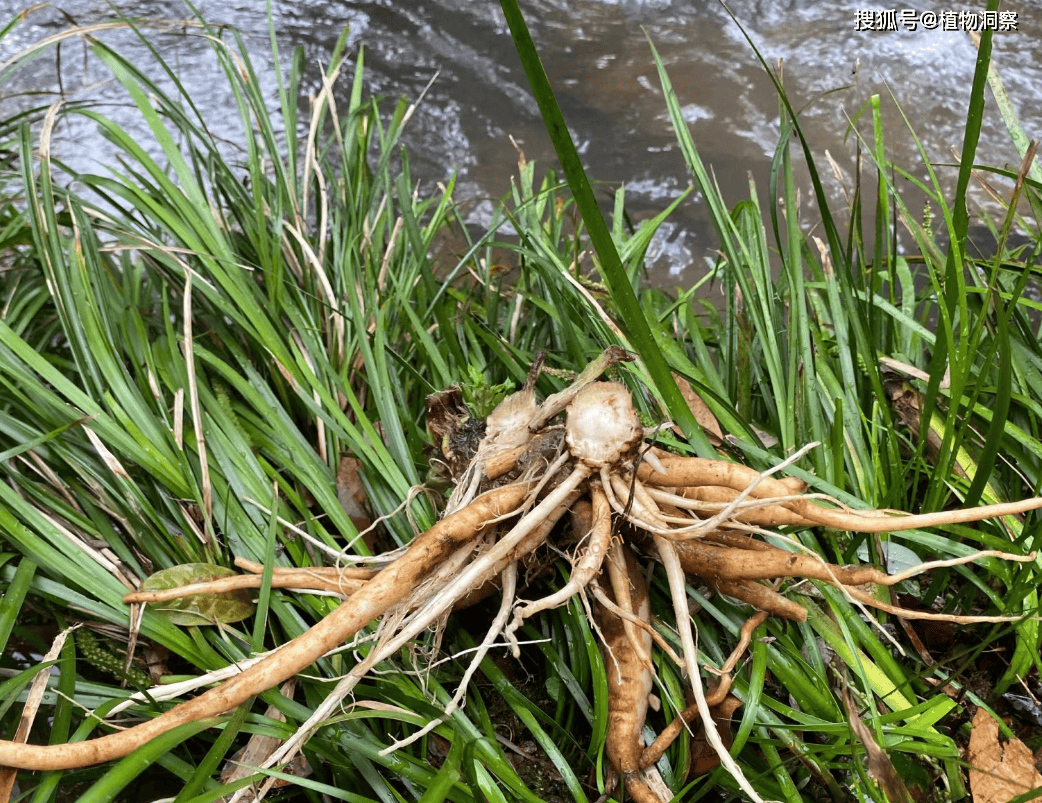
998, 772
258, 748
350, 492
880, 768
704, 758
703, 415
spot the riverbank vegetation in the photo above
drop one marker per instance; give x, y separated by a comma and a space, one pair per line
219, 352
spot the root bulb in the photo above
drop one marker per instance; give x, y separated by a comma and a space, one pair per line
602, 427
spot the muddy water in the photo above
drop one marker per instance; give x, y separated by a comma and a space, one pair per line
598, 58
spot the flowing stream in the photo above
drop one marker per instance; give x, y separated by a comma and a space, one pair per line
597, 55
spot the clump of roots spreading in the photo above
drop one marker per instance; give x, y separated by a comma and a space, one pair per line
515, 478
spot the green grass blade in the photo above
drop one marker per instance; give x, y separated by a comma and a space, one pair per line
647, 344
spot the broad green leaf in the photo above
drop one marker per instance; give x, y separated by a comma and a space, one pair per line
199, 609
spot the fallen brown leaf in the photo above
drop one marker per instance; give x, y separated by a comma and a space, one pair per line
350, 492
998, 773
257, 749
704, 758
880, 768
700, 411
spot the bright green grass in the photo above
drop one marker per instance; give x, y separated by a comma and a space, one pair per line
185, 355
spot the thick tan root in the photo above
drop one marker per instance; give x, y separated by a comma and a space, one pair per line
761, 598
628, 616
654, 751
736, 540
713, 562
733, 566
695, 472
620, 567
678, 591
715, 497
908, 613
891, 522
390, 587
325, 572
629, 684
691, 472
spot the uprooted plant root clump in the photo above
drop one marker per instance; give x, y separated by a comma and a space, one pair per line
513, 483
